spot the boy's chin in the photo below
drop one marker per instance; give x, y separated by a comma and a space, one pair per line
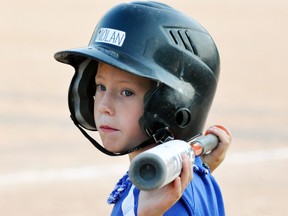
116, 149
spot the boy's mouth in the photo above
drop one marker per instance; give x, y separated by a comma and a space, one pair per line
106, 128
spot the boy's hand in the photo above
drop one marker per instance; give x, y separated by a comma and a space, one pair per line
215, 157
158, 201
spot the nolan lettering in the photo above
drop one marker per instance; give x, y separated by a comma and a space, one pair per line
110, 36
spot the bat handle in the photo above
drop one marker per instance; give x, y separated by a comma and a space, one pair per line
204, 144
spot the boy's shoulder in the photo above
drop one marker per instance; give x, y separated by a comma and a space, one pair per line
202, 189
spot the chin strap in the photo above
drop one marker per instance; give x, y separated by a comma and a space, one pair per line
159, 137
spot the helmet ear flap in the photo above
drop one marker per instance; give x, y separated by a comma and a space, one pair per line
81, 92
166, 108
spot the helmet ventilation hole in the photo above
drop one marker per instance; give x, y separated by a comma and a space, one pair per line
182, 117
181, 38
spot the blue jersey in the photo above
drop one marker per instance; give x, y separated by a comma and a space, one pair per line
202, 197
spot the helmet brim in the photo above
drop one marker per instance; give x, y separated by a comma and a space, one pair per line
139, 67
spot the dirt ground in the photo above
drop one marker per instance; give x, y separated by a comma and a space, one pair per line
48, 168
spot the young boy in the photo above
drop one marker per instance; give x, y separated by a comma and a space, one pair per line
155, 72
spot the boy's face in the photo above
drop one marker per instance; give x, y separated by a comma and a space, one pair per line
118, 106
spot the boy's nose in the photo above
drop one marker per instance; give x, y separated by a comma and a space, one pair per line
105, 104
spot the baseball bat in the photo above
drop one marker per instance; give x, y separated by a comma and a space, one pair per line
160, 165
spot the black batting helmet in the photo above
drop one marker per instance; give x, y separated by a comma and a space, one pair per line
155, 41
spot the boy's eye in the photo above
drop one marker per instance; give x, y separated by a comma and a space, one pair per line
100, 87
127, 93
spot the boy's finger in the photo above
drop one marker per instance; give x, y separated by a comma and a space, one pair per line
186, 174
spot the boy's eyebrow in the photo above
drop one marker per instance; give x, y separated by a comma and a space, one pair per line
98, 76
119, 80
